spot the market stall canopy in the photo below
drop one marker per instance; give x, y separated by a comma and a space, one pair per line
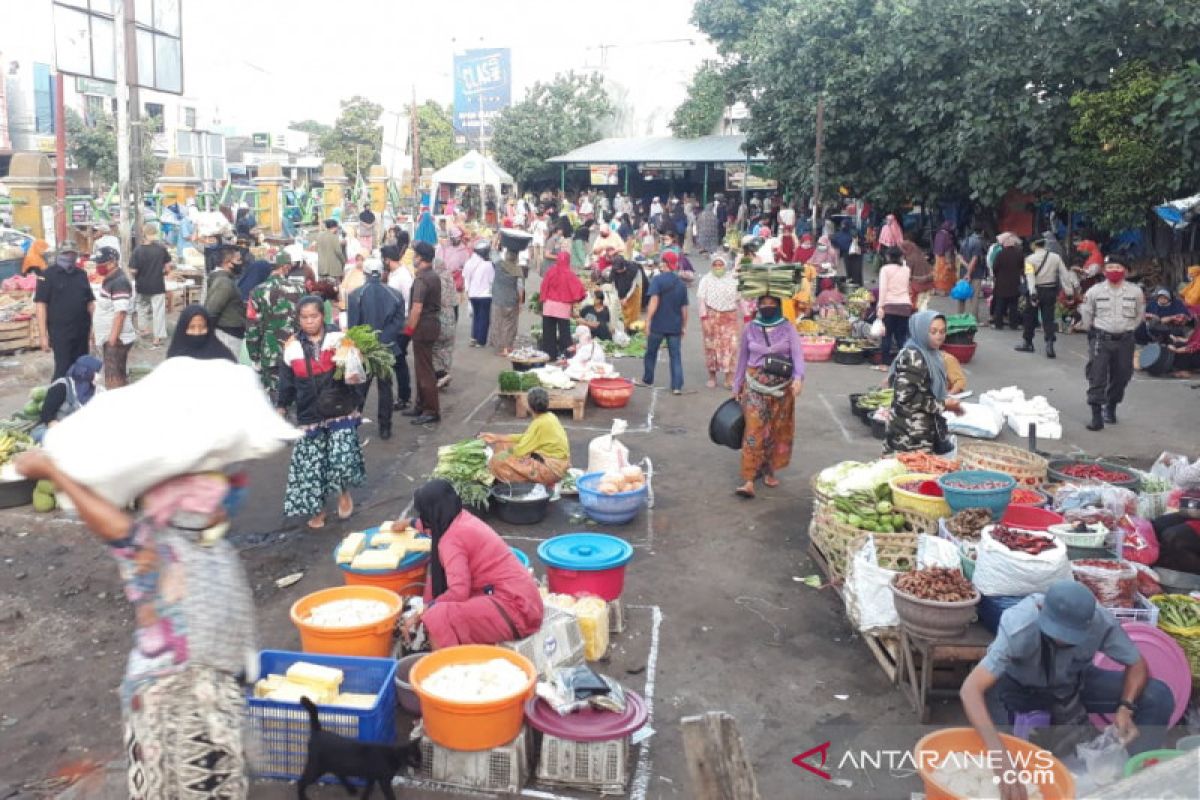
1179, 213
473, 169
660, 149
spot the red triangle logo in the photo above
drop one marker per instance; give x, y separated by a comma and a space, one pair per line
802, 760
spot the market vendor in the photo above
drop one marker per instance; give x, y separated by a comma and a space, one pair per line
587, 351
476, 592
630, 281
542, 454
67, 395
1178, 535
955, 377
918, 375
596, 317
1041, 660
1166, 317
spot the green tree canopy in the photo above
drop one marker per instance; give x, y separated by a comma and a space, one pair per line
356, 137
554, 118
94, 147
316, 130
435, 126
702, 109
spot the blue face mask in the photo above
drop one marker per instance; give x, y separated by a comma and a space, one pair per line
770, 313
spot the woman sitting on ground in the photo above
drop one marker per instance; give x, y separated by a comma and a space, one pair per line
476, 591
67, 395
922, 389
541, 454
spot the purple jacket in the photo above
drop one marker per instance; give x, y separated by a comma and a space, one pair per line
784, 341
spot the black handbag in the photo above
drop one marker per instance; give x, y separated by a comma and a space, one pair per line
776, 366
334, 398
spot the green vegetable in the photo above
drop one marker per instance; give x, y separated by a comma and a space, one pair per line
777, 280
43, 502
38, 394
44, 487
635, 349
510, 381
883, 507
528, 380
31, 409
377, 357
465, 466
856, 521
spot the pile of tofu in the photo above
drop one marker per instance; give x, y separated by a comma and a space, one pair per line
383, 549
318, 683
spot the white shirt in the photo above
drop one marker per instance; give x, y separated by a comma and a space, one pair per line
539, 233
585, 207
478, 276
108, 305
401, 279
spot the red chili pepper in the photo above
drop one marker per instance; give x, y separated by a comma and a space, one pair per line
1095, 472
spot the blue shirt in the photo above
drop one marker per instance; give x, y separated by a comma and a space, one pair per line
1017, 649
672, 298
973, 248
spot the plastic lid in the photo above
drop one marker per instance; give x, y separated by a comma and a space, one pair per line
590, 724
410, 559
585, 551
1165, 659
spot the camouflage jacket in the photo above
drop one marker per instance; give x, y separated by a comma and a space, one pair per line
917, 422
270, 319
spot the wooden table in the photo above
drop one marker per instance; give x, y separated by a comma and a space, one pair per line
919, 658
573, 400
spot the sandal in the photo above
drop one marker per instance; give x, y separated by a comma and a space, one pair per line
348, 512
314, 524
771, 481
744, 491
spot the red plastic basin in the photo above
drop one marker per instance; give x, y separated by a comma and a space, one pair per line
607, 584
963, 352
1031, 518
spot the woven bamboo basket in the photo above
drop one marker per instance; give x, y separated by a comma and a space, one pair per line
835, 539
1028, 468
834, 326
894, 551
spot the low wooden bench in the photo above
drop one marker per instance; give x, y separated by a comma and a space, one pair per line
573, 400
920, 658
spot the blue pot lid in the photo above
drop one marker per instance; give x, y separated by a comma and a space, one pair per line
409, 560
585, 551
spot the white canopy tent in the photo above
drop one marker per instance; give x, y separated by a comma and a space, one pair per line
473, 169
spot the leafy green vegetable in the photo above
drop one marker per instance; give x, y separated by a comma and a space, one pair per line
465, 466
529, 381
510, 381
377, 357
777, 280
635, 349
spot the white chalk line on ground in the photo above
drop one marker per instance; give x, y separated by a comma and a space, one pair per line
475, 410
640, 782
845, 433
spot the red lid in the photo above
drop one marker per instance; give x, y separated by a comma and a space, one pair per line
589, 725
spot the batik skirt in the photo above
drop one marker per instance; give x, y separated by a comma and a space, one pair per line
328, 460
185, 738
503, 330
721, 331
770, 428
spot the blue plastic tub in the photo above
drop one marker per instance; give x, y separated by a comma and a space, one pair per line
609, 509
994, 500
524, 559
283, 728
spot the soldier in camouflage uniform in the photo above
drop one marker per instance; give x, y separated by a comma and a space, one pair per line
270, 320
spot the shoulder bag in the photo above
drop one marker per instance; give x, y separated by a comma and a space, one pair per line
774, 365
334, 398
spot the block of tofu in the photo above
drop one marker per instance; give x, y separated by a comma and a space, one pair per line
325, 679
420, 544
386, 538
384, 558
363, 702
389, 526
351, 546
289, 692
268, 684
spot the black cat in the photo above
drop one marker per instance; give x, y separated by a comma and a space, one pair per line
346, 758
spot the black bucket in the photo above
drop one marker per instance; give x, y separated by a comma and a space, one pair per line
727, 425
510, 505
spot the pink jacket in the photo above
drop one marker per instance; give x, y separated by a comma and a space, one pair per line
893, 286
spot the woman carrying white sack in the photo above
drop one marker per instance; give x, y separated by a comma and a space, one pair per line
588, 353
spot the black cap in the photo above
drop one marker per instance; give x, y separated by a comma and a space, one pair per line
331, 223
1116, 260
389, 252
106, 255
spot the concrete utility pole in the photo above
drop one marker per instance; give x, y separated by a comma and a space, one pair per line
136, 131
816, 213
119, 33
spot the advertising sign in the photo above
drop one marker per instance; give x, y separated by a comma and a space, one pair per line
260, 139
482, 87
604, 174
734, 177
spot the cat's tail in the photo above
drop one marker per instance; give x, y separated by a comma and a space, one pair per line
311, 708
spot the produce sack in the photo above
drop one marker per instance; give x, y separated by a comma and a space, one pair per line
868, 593
606, 453
1169, 466
187, 415
977, 421
1001, 571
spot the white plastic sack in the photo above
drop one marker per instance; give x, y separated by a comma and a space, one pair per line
1000, 571
878, 329
606, 453
355, 372
977, 420
1170, 467
868, 592
185, 416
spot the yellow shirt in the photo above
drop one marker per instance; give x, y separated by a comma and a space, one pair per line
545, 436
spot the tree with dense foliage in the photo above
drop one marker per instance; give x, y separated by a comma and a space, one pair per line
94, 147
701, 111
554, 118
435, 127
356, 137
957, 99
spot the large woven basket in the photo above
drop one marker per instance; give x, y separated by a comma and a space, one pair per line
835, 539
1028, 468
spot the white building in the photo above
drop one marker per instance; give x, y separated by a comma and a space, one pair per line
82, 33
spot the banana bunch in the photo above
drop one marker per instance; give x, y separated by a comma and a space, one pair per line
11, 443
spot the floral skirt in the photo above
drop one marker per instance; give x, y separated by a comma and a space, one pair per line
944, 274
185, 738
770, 430
721, 330
324, 462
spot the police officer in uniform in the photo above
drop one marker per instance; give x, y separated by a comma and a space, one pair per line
1045, 275
1111, 312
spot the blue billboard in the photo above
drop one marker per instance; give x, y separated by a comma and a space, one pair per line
482, 87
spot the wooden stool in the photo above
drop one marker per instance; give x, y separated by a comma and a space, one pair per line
917, 679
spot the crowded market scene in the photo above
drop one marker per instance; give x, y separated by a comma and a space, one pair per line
566, 441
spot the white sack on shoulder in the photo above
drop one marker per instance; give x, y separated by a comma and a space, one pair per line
186, 416
1000, 571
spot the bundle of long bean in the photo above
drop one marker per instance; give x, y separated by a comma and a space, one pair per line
776, 280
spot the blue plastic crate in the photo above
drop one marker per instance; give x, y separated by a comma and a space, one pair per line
283, 728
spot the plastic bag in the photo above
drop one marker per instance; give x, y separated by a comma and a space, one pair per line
869, 601
1090, 503
878, 329
1168, 466
977, 420
355, 371
1139, 543
962, 290
572, 689
1104, 757
1114, 583
606, 453
1000, 571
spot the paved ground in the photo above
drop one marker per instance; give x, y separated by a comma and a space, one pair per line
717, 617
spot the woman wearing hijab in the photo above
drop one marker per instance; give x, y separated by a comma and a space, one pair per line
426, 230
720, 320
1166, 317
767, 382
35, 257
561, 289
805, 249
181, 698
252, 277
329, 458
443, 348
920, 280
944, 270
196, 337
476, 591
825, 257
629, 281
508, 295
68, 394
1008, 271
921, 385
579, 241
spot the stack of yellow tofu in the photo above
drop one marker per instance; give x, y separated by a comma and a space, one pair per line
382, 550
318, 683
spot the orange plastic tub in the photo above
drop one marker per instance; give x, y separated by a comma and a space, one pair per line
406, 582
928, 753
373, 640
471, 726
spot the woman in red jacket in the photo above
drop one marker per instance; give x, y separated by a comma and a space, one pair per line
561, 289
476, 592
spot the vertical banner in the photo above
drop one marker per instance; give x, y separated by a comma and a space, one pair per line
482, 87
